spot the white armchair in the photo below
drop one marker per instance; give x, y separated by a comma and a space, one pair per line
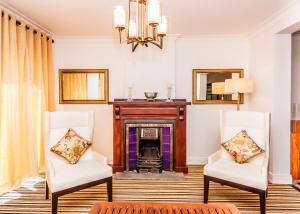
63, 178
251, 176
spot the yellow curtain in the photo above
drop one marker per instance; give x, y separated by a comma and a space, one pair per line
75, 86
26, 92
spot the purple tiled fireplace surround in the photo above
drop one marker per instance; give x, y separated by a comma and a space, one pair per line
166, 147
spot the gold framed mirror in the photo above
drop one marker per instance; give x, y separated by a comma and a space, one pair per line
83, 86
209, 86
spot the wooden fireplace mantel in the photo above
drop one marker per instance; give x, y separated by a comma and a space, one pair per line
144, 110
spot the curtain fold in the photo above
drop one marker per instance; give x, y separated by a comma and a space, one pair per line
26, 92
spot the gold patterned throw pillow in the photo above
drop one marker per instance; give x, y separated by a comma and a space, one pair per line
71, 147
241, 147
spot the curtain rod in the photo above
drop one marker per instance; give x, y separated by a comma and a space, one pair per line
27, 27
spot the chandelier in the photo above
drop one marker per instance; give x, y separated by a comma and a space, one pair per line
144, 25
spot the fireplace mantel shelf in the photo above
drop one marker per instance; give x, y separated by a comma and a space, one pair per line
143, 102
143, 110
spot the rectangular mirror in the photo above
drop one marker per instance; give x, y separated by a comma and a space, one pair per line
83, 86
209, 86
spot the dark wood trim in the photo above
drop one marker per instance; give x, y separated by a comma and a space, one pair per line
83, 186
55, 195
183, 169
47, 190
54, 202
109, 189
206, 189
262, 193
295, 152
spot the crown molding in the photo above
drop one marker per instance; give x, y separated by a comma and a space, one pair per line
268, 21
20, 16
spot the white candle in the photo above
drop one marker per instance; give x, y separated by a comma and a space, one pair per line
153, 12
119, 16
163, 25
132, 29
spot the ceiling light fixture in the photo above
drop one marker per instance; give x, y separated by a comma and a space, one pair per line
143, 16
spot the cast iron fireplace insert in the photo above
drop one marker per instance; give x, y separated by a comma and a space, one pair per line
149, 146
149, 156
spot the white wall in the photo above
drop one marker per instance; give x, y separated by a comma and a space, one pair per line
296, 77
270, 65
203, 120
151, 69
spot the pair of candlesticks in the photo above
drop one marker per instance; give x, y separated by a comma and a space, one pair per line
150, 96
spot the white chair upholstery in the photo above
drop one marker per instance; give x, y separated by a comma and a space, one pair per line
222, 167
92, 166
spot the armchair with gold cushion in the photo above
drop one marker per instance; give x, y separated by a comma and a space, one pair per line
250, 176
62, 177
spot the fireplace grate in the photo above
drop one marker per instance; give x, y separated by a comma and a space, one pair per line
150, 160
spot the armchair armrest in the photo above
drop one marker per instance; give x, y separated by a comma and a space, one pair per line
215, 156
50, 171
100, 158
264, 169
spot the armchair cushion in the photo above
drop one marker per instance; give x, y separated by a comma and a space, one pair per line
242, 147
245, 174
71, 147
70, 175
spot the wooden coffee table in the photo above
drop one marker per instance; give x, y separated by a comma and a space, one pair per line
161, 208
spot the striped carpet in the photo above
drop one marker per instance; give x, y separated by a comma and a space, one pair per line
30, 197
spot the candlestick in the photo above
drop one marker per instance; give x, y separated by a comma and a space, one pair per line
169, 92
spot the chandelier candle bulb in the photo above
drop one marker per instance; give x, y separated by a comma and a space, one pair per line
119, 17
153, 12
132, 29
162, 27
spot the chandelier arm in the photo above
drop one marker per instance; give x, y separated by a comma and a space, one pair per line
120, 35
156, 44
161, 38
134, 46
154, 31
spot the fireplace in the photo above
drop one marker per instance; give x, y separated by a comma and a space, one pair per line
149, 145
149, 136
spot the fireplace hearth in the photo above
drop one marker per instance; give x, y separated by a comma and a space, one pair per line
149, 136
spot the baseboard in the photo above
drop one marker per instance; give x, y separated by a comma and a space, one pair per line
280, 178
196, 160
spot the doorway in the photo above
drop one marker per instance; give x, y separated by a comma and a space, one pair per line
295, 111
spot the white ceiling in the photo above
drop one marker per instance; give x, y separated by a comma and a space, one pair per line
186, 17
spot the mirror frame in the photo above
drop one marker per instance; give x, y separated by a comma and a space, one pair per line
197, 71
106, 87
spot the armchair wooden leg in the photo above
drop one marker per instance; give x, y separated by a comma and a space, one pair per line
47, 190
109, 189
206, 188
54, 200
262, 200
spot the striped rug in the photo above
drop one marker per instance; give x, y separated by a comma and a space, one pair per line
30, 197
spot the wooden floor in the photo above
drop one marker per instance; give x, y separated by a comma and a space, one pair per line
30, 197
